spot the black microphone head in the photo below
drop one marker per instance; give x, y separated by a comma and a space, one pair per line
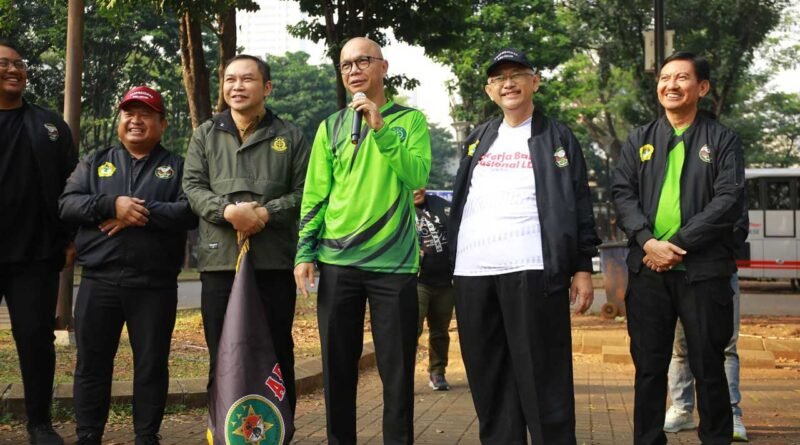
355, 133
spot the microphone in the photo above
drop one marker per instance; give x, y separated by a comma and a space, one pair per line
355, 133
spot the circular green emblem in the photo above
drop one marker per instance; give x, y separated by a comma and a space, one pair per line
254, 420
401, 133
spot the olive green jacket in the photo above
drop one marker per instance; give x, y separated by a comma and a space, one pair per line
270, 168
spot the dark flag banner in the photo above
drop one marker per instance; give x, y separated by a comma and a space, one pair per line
247, 399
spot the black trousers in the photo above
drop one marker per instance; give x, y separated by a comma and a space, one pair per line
101, 309
278, 292
342, 298
517, 348
654, 302
31, 291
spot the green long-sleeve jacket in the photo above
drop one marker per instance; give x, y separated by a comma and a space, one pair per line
358, 209
269, 168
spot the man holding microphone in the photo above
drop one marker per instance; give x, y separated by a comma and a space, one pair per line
357, 222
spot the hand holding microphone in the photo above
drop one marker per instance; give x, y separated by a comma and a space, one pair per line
364, 109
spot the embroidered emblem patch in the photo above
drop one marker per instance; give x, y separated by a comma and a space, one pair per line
164, 172
561, 157
279, 144
471, 148
106, 170
52, 131
646, 152
705, 154
400, 132
254, 420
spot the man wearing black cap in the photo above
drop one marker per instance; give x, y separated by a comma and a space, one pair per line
36, 157
521, 259
133, 217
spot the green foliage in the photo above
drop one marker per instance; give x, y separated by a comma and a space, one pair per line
604, 87
534, 27
302, 94
123, 47
443, 158
770, 129
435, 25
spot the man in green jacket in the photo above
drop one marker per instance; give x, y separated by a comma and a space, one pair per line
358, 224
244, 172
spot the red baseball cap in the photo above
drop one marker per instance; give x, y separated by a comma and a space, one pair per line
145, 95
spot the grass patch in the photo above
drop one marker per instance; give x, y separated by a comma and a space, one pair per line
188, 356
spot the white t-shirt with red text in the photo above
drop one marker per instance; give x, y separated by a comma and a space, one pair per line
500, 231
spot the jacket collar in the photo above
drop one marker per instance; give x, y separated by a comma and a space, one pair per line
224, 121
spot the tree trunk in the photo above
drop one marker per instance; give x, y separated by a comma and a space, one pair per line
334, 48
227, 48
195, 71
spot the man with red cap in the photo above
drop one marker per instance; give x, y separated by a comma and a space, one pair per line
133, 216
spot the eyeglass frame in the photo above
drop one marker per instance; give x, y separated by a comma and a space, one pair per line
513, 77
19, 64
358, 61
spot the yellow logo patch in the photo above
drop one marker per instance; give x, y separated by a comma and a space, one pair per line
471, 148
279, 144
646, 152
106, 170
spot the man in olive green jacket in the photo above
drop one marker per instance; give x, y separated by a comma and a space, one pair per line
244, 172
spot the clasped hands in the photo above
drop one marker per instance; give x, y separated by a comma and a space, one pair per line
661, 256
248, 218
128, 212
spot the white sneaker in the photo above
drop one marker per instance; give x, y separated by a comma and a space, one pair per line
678, 419
739, 431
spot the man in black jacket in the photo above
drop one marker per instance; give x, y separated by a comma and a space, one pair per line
435, 282
36, 158
523, 237
678, 190
133, 218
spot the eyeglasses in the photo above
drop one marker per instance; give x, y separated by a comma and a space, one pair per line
514, 78
362, 63
18, 64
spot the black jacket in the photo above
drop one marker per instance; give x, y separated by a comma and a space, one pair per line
563, 198
55, 156
148, 256
712, 193
435, 269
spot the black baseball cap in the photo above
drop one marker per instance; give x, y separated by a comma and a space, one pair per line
508, 55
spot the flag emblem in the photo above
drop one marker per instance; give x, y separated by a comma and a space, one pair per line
254, 420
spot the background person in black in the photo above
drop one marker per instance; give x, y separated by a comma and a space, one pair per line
435, 282
133, 218
36, 156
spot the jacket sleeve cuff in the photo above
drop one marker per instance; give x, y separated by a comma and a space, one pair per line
106, 206
643, 236
678, 240
584, 264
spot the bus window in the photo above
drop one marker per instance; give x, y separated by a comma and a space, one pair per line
754, 194
779, 195
780, 204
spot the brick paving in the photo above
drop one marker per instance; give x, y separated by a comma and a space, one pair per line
604, 402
